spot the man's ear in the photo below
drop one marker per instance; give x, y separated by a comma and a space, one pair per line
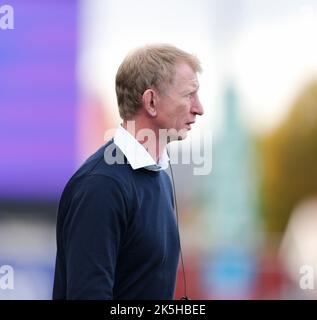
149, 99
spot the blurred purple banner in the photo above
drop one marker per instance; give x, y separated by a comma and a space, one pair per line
38, 99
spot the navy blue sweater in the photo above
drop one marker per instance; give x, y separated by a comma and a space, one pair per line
116, 233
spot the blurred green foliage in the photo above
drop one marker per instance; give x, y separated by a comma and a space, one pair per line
289, 157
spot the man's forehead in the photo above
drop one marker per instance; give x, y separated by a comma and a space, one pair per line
189, 81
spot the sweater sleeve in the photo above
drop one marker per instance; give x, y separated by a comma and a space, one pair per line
94, 227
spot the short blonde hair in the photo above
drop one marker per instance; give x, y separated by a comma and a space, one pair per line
151, 66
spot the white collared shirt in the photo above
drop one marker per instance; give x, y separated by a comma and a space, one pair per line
136, 154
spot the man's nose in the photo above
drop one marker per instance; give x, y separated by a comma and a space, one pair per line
197, 107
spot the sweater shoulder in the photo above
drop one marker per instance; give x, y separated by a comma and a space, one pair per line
108, 161
101, 171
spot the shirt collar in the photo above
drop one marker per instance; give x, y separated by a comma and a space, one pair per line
136, 154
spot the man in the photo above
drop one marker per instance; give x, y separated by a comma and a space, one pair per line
116, 230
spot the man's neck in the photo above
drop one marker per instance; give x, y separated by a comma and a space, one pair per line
146, 135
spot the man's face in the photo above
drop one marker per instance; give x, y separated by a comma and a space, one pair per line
179, 105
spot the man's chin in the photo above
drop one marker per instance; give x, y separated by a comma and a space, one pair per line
182, 134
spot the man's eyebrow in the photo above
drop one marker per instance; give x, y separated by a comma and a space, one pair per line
194, 87
195, 84
190, 91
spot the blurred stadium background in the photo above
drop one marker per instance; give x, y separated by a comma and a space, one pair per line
249, 226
